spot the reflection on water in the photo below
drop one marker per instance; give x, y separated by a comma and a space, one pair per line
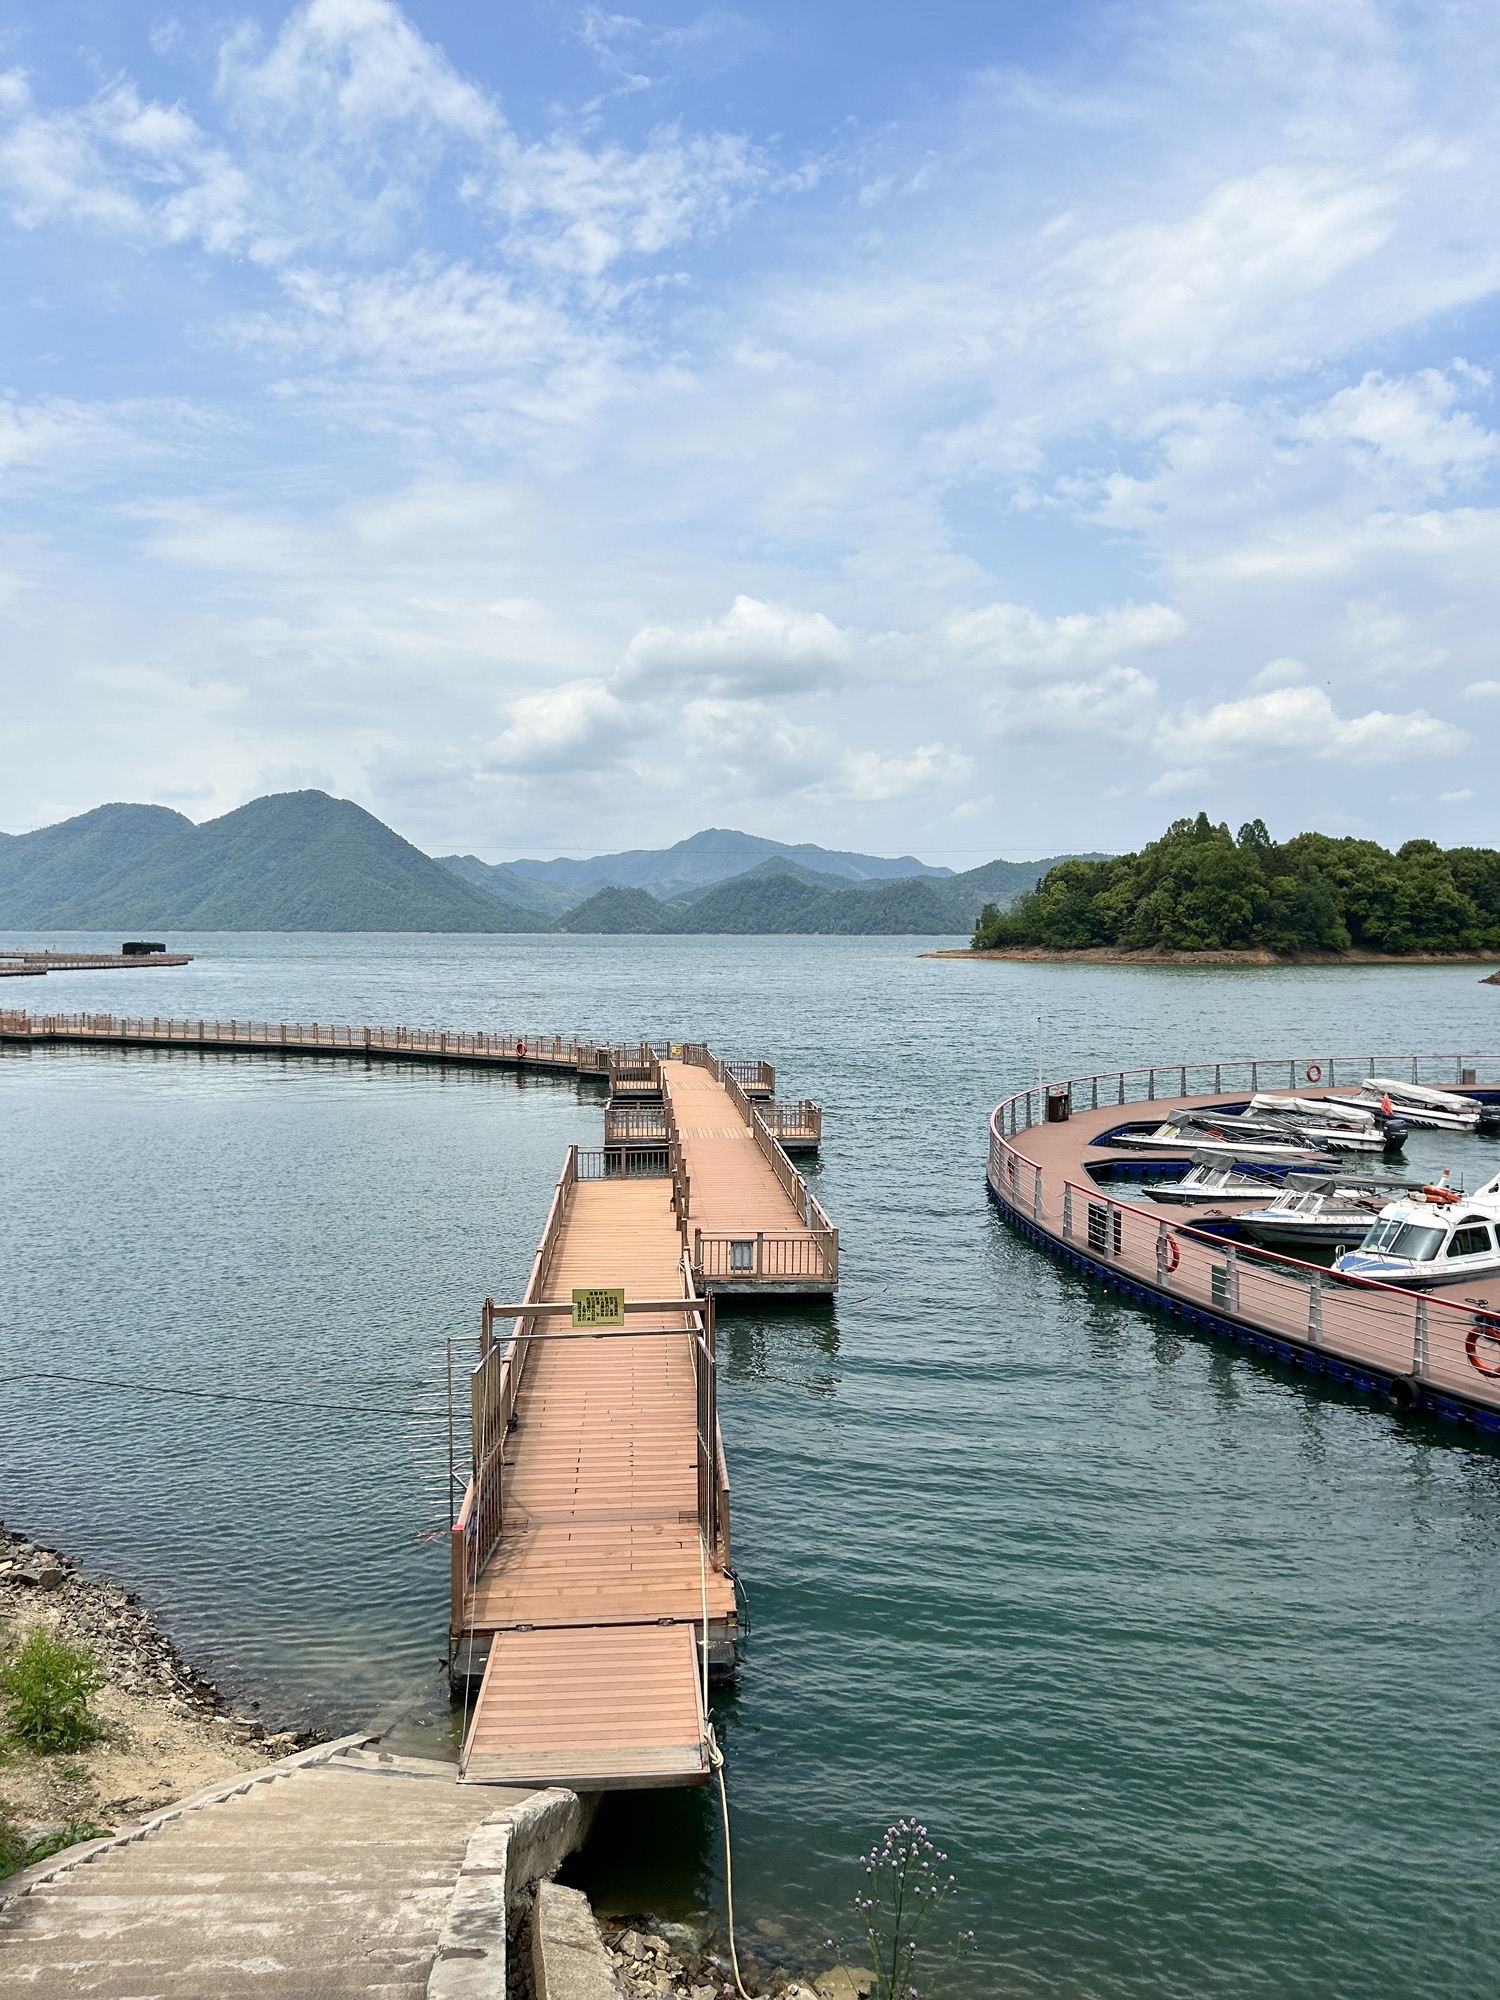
1186, 1655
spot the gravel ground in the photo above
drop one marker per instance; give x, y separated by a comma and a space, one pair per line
166, 1732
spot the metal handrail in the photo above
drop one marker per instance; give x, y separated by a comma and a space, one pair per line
1175, 1257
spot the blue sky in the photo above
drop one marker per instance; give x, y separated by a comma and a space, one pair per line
948, 428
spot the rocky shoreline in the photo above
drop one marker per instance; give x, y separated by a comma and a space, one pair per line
166, 1731
660, 1961
1113, 954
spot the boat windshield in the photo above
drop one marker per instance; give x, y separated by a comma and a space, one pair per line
1419, 1241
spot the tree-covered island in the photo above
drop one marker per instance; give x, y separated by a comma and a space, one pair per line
1201, 888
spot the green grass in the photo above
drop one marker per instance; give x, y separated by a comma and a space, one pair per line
47, 1684
16, 1855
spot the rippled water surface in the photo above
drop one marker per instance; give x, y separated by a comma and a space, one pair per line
1190, 1659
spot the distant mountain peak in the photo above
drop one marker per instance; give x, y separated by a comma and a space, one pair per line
713, 854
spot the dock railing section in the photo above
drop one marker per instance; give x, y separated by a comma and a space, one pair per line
1442, 1346
448, 1045
495, 1383
768, 1254
630, 1124
802, 1122
493, 1386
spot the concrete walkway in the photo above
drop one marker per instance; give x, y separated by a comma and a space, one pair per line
338, 1872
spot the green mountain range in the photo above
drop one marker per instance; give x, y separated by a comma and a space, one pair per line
302, 861
298, 861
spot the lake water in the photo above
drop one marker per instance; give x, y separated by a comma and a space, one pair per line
1190, 1660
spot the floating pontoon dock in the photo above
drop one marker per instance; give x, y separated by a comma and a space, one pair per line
1438, 1349
591, 1588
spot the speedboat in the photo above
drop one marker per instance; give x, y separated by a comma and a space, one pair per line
1323, 1210
1212, 1134
1337, 1125
1211, 1178
1436, 1110
1431, 1236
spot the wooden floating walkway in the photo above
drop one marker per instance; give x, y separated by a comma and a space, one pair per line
21, 963
592, 1595
591, 1578
1437, 1349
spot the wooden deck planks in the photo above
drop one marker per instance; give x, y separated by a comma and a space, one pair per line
734, 1189
591, 1708
602, 1541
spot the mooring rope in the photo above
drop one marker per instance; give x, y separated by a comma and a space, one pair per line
716, 1759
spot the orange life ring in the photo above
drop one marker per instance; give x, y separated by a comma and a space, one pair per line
1483, 1329
1171, 1257
1314, 1072
1442, 1195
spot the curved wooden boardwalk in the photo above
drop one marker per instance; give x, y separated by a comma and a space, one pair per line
1436, 1349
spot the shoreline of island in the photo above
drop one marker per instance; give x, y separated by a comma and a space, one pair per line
1255, 956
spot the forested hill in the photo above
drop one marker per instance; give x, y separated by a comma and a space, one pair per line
776, 899
297, 861
1199, 888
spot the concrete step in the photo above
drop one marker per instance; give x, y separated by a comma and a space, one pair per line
315, 1883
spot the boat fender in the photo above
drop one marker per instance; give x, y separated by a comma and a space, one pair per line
1402, 1393
1314, 1072
1487, 1330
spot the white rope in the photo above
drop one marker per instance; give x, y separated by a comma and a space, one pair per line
716, 1759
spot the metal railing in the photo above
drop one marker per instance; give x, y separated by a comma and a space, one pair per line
1251, 1073
495, 1383
1443, 1346
766, 1256
303, 1037
634, 1123
624, 1163
493, 1387
802, 1122
756, 1078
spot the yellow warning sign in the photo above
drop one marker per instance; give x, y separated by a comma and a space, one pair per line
598, 1305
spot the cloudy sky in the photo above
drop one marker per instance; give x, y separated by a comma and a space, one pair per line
967, 427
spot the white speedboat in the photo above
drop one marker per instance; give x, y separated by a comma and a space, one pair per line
1209, 1134
1436, 1110
1432, 1236
1337, 1125
1211, 1178
1326, 1211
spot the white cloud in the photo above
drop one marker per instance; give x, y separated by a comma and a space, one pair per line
1285, 672
1484, 689
1454, 798
1301, 722
1410, 431
1175, 294
575, 726
1120, 704
754, 649
1011, 638
1172, 784
757, 751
